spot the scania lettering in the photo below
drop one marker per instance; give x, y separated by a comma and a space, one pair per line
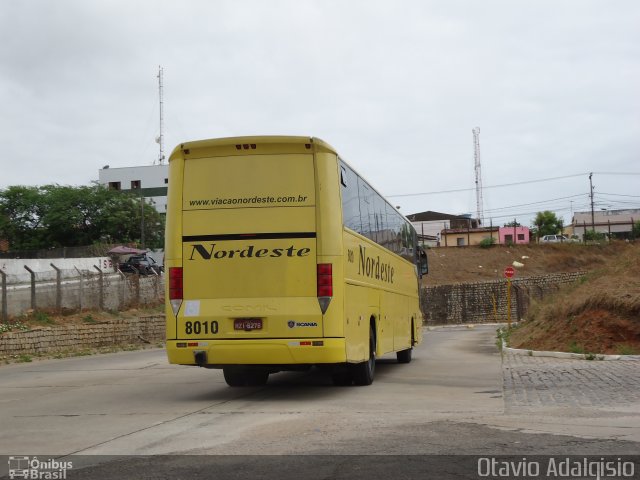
281, 257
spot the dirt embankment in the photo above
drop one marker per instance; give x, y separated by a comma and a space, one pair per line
600, 314
474, 264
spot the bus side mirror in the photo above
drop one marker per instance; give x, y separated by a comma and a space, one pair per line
424, 264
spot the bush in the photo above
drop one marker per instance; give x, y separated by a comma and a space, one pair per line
592, 235
487, 242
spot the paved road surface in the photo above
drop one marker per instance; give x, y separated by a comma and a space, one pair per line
448, 401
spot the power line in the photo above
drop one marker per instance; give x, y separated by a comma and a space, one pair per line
618, 195
490, 186
536, 203
457, 190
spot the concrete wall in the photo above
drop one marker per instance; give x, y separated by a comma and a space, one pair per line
150, 329
474, 302
16, 273
116, 292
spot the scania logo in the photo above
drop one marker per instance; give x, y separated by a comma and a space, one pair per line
292, 324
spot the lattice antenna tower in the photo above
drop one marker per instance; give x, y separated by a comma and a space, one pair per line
478, 170
160, 139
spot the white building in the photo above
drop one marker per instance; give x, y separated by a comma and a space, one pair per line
150, 182
615, 222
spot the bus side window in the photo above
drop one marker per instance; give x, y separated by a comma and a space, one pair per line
350, 200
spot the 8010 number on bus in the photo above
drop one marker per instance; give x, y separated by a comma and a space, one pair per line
198, 328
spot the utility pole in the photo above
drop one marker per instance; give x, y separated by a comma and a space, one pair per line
593, 221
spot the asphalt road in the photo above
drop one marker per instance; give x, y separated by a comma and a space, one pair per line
131, 415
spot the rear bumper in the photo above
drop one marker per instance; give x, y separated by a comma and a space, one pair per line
288, 351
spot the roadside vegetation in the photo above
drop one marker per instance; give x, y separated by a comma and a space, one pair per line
599, 315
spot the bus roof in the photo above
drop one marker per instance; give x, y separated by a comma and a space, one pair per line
319, 145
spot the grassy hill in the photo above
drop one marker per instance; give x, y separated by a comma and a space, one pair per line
601, 314
470, 264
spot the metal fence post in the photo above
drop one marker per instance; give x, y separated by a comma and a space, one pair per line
5, 314
58, 287
156, 284
80, 291
33, 287
101, 285
123, 281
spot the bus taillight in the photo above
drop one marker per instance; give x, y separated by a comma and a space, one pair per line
175, 288
325, 285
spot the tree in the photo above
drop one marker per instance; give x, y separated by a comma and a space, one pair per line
64, 216
512, 224
21, 212
635, 231
547, 223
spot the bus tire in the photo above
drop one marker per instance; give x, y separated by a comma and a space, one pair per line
404, 356
363, 372
234, 377
257, 378
240, 377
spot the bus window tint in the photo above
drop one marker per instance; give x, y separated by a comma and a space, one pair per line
367, 213
380, 221
350, 199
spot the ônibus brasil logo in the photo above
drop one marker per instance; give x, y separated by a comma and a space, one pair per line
33, 468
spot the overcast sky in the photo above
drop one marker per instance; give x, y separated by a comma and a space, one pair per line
395, 86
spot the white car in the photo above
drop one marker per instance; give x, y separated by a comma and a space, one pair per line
554, 239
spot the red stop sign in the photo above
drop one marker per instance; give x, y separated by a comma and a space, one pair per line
509, 272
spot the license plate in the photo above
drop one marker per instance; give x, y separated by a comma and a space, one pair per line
247, 324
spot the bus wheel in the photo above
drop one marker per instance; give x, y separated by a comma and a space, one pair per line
363, 372
257, 378
234, 377
240, 377
404, 356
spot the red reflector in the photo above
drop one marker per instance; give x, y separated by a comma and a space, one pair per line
324, 269
175, 283
325, 291
305, 344
325, 280
192, 344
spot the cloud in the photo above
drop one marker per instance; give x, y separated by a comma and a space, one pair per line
395, 86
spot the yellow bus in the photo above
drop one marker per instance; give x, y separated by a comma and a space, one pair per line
281, 257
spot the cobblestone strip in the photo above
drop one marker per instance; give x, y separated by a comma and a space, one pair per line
531, 382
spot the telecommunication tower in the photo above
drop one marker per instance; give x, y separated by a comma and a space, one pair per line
478, 170
160, 138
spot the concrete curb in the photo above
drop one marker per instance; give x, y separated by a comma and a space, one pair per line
568, 355
571, 356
